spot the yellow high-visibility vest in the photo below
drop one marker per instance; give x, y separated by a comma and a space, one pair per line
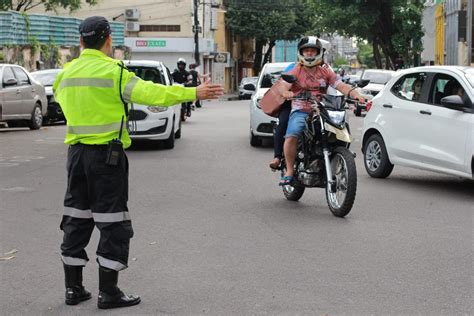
88, 90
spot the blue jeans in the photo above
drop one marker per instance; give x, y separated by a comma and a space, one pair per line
296, 124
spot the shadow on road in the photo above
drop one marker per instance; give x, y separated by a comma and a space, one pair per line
462, 187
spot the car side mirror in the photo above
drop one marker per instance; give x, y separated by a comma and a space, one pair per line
249, 87
362, 83
455, 102
10, 82
288, 78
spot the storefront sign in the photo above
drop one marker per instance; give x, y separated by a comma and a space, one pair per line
150, 43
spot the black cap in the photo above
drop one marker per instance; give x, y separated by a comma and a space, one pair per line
94, 28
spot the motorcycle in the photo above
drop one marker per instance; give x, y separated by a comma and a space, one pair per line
323, 158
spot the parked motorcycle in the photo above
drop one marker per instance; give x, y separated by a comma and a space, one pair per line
323, 158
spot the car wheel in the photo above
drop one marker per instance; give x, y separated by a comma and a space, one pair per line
36, 120
169, 143
255, 141
376, 159
177, 135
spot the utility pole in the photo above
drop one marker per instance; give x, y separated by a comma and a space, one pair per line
196, 33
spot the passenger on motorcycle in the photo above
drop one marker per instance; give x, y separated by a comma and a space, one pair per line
312, 75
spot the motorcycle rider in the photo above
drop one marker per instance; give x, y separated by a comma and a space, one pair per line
182, 76
312, 75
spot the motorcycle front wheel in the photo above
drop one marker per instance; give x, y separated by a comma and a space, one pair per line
344, 170
292, 192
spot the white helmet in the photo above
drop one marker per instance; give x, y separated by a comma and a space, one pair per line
181, 61
313, 42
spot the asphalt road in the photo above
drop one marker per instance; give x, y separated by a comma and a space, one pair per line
214, 234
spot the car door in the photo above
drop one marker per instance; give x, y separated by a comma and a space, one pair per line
27, 90
444, 141
405, 118
11, 105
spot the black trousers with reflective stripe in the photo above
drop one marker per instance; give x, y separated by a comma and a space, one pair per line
96, 195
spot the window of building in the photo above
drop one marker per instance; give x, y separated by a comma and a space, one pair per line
160, 28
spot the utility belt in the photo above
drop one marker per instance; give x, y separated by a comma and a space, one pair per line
114, 150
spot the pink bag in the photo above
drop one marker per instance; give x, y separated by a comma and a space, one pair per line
272, 99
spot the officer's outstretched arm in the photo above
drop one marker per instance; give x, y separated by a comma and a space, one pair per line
140, 91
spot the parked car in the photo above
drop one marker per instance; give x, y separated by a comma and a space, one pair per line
431, 129
377, 80
161, 124
261, 125
47, 78
22, 99
246, 94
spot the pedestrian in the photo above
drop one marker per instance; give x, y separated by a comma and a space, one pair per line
94, 91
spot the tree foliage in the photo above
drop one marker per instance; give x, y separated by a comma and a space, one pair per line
49, 5
392, 27
365, 56
267, 21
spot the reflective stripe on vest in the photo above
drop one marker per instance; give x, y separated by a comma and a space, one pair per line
86, 82
93, 129
127, 92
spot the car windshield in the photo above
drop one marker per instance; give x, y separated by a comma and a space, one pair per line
249, 80
271, 75
147, 73
470, 76
46, 78
377, 77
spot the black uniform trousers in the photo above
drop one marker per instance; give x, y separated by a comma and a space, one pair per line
96, 195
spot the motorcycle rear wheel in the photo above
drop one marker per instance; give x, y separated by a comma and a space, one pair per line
292, 192
343, 168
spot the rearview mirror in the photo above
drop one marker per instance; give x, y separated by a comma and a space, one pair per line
288, 78
455, 102
10, 82
362, 83
249, 86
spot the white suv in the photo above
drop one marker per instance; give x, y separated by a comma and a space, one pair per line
261, 125
423, 118
156, 123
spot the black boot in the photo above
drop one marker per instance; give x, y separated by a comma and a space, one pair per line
75, 292
110, 296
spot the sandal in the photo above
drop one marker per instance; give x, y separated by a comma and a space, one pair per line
274, 164
286, 180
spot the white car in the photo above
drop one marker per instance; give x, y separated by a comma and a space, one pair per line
431, 130
377, 80
162, 124
261, 125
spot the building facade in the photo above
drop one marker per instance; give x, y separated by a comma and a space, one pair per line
165, 31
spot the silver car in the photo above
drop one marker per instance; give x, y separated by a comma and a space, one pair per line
22, 99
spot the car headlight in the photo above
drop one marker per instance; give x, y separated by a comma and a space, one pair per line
337, 117
157, 109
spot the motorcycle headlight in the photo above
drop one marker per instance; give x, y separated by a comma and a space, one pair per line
337, 117
157, 109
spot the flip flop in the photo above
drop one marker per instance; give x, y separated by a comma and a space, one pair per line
286, 180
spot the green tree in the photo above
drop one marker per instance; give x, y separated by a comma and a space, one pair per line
50, 5
339, 61
392, 27
267, 22
365, 56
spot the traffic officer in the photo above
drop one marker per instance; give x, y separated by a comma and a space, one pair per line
93, 91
